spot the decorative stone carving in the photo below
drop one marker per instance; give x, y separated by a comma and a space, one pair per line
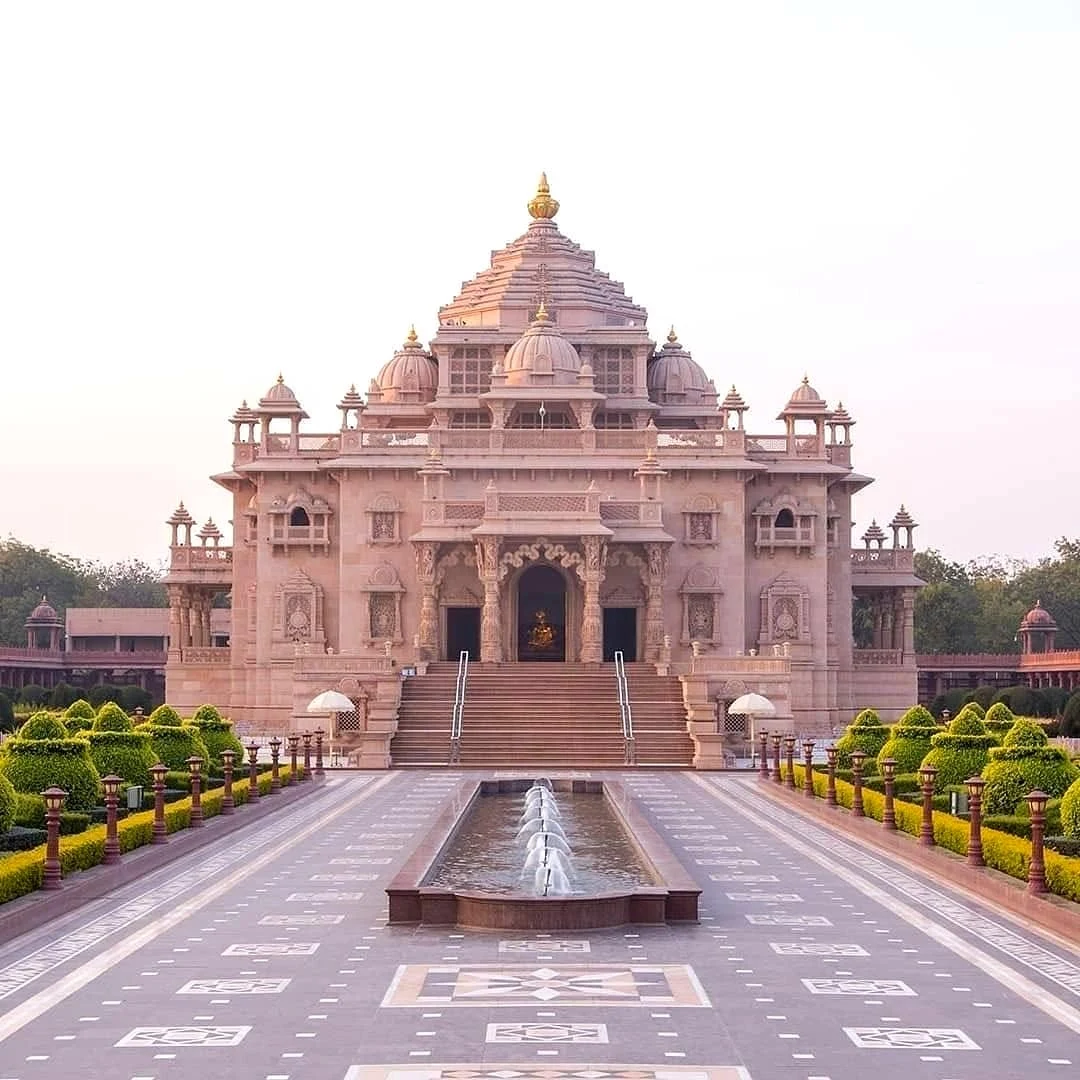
545, 549
785, 612
383, 591
701, 591
383, 612
701, 521
785, 522
298, 610
384, 520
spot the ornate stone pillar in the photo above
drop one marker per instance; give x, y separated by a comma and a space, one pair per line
908, 601
875, 606
185, 620
592, 625
428, 630
656, 564
174, 619
487, 566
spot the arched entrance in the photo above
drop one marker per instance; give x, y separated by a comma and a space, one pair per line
541, 614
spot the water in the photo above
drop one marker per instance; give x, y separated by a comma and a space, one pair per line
487, 855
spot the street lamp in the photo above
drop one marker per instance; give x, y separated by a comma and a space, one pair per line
888, 771
195, 818
160, 834
927, 777
830, 791
111, 785
857, 759
54, 802
975, 787
1037, 801
808, 766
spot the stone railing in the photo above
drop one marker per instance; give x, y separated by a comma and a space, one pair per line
463, 512
82, 658
1057, 660
185, 557
306, 445
967, 662
878, 657
205, 655
900, 559
342, 664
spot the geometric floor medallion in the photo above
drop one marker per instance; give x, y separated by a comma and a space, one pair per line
545, 1071
552, 1032
910, 1038
184, 1036
550, 945
506, 985
272, 948
234, 986
787, 920
860, 987
816, 948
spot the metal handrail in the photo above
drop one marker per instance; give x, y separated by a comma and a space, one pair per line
625, 713
459, 708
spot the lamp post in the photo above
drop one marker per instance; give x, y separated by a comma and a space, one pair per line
54, 802
927, 776
253, 771
275, 775
228, 804
777, 739
857, 759
888, 815
306, 736
111, 785
975, 787
319, 772
194, 765
1037, 801
830, 790
763, 764
808, 766
294, 746
160, 834
789, 761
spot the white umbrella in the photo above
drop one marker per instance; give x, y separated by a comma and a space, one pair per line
752, 705
330, 701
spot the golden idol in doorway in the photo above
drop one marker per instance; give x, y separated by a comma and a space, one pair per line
541, 633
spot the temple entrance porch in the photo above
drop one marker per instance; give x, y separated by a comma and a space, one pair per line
541, 614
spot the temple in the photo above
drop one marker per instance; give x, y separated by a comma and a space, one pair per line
540, 484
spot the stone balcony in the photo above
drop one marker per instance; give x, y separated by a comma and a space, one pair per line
198, 565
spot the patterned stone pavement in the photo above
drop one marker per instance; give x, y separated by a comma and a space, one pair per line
268, 956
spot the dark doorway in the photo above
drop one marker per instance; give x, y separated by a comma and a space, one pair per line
462, 632
541, 622
620, 633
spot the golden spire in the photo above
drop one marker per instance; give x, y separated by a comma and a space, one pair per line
280, 378
672, 336
542, 314
542, 206
411, 337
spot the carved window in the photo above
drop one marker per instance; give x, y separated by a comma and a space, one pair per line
701, 593
699, 528
470, 370
609, 421
298, 610
531, 418
299, 516
701, 521
301, 520
383, 525
786, 523
470, 419
382, 598
785, 612
383, 615
785, 519
613, 369
384, 520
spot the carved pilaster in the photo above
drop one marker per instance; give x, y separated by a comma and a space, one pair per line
487, 564
592, 626
428, 630
656, 572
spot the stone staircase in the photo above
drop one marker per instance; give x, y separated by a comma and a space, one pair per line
544, 715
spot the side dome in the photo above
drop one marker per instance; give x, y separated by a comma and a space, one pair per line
675, 378
43, 613
410, 376
1038, 618
542, 352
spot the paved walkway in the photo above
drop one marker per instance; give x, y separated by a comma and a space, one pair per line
268, 956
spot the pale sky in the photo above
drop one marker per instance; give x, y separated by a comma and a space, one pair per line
883, 196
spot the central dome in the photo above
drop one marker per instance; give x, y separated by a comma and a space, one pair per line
542, 354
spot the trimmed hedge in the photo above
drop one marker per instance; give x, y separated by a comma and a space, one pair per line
1070, 812
909, 740
81, 709
127, 754
1025, 762
174, 745
999, 719
111, 717
1009, 854
32, 765
165, 716
22, 873
961, 751
867, 733
217, 734
19, 839
43, 725
7, 804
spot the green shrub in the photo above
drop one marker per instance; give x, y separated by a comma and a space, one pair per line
903, 783
98, 695
909, 740
7, 713
974, 708
1055, 698
867, 733
43, 725
1063, 845
32, 765
76, 725
1022, 700
110, 717
983, 696
33, 695
961, 751
1023, 763
135, 697
1070, 811
174, 745
1070, 718
216, 733
165, 716
127, 754
7, 804
62, 695
81, 709
19, 839
999, 719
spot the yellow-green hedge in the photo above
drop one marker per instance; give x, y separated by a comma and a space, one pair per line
1009, 854
22, 872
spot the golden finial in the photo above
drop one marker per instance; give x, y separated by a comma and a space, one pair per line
542, 206
411, 337
672, 336
541, 313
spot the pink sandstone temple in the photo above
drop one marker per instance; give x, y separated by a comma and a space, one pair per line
541, 486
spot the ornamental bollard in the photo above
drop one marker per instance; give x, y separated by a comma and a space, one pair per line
294, 746
307, 755
319, 772
789, 761
975, 787
1037, 801
777, 739
927, 776
763, 764
111, 786
275, 773
888, 815
228, 803
194, 765
830, 790
808, 766
159, 834
857, 759
253, 771
54, 802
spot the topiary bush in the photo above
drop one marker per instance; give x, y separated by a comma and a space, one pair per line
1070, 718
909, 739
174, 745
110, 717
1023, 700
983, 695
7, 804
217, 733
43, 725
165, 716
127, 754
961, 751
7, 713
867, 733
999, 719
32, 765
33, 695
1023, 763
1070, 812
82, 709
